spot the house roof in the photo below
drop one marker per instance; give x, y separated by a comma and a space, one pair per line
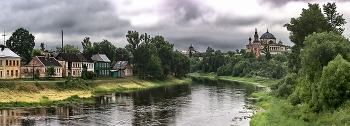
7, 53
51, 61
85, 58
70, 57
120, 65
100, 57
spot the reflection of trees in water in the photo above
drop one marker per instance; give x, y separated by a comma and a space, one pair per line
156, 106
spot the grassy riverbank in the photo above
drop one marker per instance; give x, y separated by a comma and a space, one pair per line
254, 80
40, 93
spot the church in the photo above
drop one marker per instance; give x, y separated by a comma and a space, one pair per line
258, 44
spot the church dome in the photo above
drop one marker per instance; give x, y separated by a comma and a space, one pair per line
267, 35
270, 42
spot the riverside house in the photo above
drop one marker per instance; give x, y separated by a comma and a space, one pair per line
86, 60
9, 64
40, 64
102, 64
71, 64
124, 68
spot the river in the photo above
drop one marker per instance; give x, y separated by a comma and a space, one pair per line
204, 102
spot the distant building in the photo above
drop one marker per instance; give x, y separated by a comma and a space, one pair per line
258, 44
9, 64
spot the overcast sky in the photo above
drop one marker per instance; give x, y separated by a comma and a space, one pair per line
220, 24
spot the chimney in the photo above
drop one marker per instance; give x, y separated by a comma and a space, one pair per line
62, 41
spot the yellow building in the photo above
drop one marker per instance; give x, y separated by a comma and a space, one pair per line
9, 64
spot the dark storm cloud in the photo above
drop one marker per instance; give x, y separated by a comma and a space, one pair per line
280, 3
230, 20
185, 10
77, 17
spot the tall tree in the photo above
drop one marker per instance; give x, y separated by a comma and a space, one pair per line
42, 47
335, 19
86, 44
22, 43
310, 20
164, 50
51, 71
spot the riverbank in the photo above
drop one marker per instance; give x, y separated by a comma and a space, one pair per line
258, 81
36, 92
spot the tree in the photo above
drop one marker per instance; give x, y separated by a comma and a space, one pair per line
310, 20
156, 68
86, 44
320, 48
51, 71
335, 19
36, 52
42, 47
209, 50
266, 51
105, 47
334, 85
68, 49
22, 43
164, 51
121, 51
280, 57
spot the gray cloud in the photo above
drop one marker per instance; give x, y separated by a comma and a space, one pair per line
281, 3
78, 17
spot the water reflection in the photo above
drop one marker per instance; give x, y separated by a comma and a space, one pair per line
203, 102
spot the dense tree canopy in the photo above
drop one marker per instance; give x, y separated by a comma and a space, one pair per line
22, 43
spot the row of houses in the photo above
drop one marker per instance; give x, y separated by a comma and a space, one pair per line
65, 64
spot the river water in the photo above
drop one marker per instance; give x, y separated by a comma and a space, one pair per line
202, 103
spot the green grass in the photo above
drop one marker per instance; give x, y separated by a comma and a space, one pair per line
261, 80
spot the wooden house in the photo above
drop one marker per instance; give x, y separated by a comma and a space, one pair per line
39, 65
71, 64
101, 64
124, 68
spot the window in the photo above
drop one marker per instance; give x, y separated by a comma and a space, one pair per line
16, 73
0, 62
0, 73
14, 63
17, 63
73, 72
8, 72
11, 73
7, 62
59, 70
10, 63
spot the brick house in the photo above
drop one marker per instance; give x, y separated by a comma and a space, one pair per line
40, 64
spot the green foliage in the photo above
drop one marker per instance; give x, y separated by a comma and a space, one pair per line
42, 47
266, 51
87, 74
105, 47
22, 43
36, 52
311, 20
86, 44
335, 19
334, 87
121, 51
51, 71
68, 49
280, 57
320, 48
156, 67
241, 69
